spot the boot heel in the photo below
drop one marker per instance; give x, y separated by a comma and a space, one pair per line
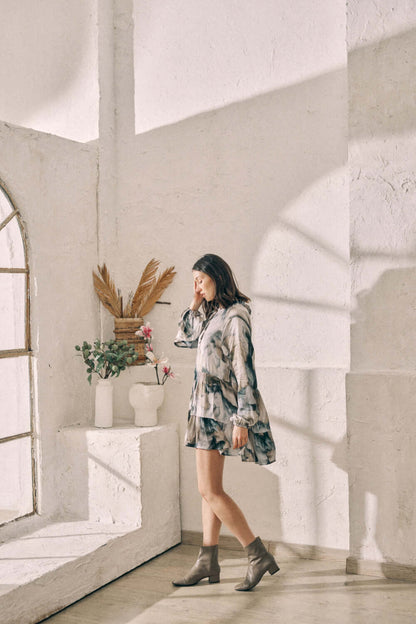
273, 568
214, 578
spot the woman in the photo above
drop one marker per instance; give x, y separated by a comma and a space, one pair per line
226, 415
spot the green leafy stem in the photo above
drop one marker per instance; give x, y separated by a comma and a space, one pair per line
107, 359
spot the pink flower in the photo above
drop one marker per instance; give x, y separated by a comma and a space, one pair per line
147, 331
153, 360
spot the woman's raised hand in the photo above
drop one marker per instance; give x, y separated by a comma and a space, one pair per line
197, 298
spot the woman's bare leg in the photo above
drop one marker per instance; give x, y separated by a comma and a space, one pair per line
211, 525
210, 468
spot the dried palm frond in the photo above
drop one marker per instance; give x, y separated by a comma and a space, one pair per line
147, 281
128, 312
106, 291
158, 288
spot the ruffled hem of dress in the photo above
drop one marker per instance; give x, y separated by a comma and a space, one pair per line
209, 434
222, 451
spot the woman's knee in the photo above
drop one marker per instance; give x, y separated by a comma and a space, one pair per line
209, 493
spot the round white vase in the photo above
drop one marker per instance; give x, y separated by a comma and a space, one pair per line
103, 403
146, 398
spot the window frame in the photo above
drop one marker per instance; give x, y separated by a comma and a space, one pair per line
26, 351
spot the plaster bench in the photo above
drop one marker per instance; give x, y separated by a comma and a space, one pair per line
119, 495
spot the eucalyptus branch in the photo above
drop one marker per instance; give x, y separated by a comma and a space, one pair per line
106, 359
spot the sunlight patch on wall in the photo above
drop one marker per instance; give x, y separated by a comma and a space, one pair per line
192, 57
301, 280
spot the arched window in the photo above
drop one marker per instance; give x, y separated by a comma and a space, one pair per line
17, 492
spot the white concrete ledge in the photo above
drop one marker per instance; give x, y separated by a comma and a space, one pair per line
50, 567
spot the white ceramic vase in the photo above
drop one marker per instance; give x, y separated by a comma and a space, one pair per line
146, 398
103, 403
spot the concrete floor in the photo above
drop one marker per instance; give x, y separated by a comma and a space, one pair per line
303, 592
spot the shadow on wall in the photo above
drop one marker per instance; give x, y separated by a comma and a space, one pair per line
261, 505
235, 167
381, 86
234, 170
381, 422
307, 412
383, 333
239, 166
381, 390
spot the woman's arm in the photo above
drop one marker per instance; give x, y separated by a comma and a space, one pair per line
237, 339
191, 323
190, 327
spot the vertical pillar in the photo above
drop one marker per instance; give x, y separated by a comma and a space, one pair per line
382, 383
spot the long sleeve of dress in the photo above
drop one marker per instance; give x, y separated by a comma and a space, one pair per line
190, 327
237, 338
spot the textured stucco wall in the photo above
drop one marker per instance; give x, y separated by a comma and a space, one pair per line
249, 164
223, 128
382, 156
53, 182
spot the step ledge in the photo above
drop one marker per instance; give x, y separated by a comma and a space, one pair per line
49, 568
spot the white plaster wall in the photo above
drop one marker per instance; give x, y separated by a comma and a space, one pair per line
191, 57
252, 168
48, 66
53, 183
382, 438
50, 83
300, 499
382, 44
49, 79
254, 171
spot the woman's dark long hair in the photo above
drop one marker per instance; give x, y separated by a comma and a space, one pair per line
227, 291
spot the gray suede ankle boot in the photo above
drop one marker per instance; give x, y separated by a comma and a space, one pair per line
260, 561
205, 566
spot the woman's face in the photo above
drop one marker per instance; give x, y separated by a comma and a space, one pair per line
204, 285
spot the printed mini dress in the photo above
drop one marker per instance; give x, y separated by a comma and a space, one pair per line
224, 391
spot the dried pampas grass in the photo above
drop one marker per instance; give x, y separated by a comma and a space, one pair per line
106, 291
145, 286
156, 291
140, 303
